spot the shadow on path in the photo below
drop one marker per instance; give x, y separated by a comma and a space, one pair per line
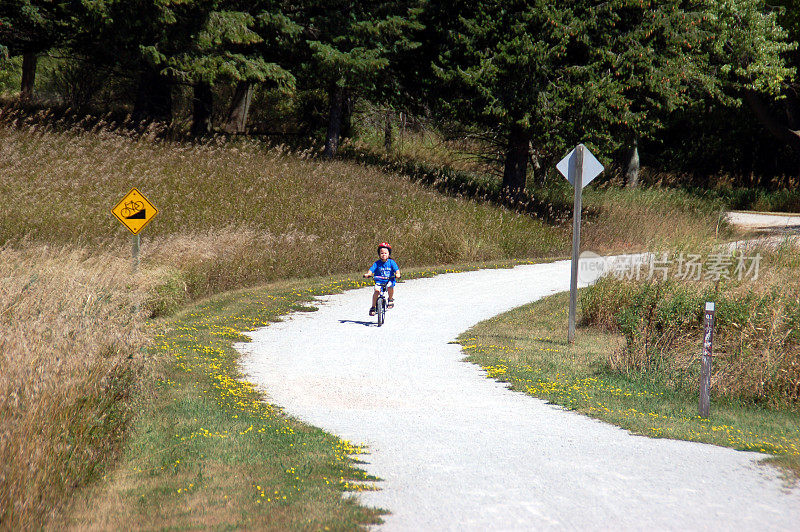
365, 323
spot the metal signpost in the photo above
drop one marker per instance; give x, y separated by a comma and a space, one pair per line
705, 375
579, 167
135, 212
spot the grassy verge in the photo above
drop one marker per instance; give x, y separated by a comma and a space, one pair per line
71, 357
206, 450
232, 215
539, 362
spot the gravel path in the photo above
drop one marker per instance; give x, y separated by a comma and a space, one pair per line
759, 221
458, 451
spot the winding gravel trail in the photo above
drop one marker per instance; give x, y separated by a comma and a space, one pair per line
458, 451
766, 222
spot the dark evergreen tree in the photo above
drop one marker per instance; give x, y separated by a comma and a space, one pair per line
350, 47
227, 47
28, 28
554, 74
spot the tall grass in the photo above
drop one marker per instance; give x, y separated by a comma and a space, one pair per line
757, 329
69, 349
233, 214
649, 219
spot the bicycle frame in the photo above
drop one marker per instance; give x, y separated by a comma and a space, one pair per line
380, 304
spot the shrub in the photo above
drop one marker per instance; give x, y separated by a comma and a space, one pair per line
756, 338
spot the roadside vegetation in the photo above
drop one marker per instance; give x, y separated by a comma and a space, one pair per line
205, 450
636, 363
72, 352
233, 214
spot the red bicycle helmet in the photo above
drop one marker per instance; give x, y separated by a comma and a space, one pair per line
385, 245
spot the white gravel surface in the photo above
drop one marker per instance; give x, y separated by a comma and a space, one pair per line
765, 221
458, 451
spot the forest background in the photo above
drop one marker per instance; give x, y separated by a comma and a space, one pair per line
705, 92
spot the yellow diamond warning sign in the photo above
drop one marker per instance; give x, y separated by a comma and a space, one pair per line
134, 211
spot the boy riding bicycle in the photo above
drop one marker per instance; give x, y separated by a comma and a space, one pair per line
385, 271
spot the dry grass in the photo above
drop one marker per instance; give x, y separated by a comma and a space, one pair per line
757, 329
232, 215
632, 220
615, 219
241, 214
68, 349
465, 154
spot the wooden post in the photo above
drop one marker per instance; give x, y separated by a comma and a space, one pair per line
705, 375
576, 242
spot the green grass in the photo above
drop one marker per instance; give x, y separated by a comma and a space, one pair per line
234, 215
752, 199
206, 450
205, 447
527, 347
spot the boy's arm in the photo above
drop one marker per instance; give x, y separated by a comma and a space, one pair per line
368, 274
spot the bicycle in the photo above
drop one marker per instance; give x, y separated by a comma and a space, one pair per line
131, 208
381, 303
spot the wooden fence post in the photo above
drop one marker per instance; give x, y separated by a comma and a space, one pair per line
705, 375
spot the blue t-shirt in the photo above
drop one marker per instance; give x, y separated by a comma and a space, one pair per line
385, 270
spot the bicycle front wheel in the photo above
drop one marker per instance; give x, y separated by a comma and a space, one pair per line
381, 304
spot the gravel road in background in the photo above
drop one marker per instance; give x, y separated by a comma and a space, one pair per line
458, 451
777, 222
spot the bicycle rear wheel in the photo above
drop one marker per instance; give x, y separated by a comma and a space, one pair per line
381, 308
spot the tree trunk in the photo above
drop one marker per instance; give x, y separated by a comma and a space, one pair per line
29, 60
791, 105
516, 166
387, 131
632, 166
202, 105
336, 97
348, 104
780, 131
153, 98
236, 121
536, 166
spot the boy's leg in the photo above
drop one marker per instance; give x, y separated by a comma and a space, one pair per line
374, 302
375, 295
391, 296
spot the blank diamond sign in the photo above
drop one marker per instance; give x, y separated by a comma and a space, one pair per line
591, 167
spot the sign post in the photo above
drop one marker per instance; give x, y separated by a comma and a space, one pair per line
705, 374
135, 243
579, 167
135, 212
576, 242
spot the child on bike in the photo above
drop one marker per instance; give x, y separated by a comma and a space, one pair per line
385, 271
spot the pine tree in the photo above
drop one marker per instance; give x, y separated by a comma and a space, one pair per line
555, 74
226, 47
28, 28
350, 51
